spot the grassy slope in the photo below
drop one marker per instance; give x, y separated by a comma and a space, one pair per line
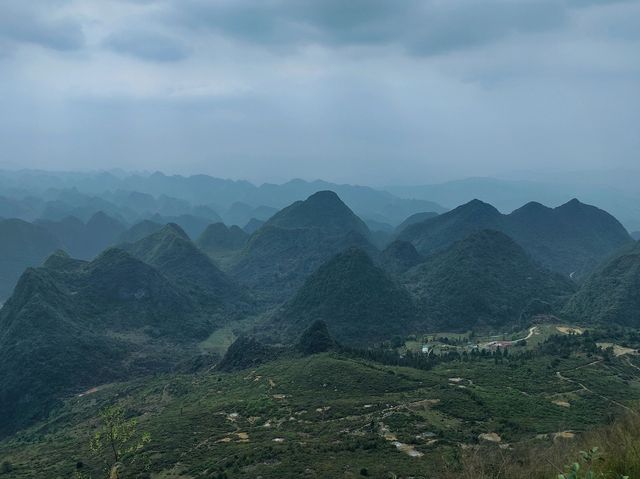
329, 411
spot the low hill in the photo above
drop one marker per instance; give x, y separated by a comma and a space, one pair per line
611, 294
570, 239
280, 255
316, 339
247, 352
484, 281
357, 300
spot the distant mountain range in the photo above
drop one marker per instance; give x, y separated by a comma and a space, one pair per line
615, 192
153, 296
30, 195
571, 239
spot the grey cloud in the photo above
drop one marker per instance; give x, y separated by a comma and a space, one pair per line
422, 27
147, 46
457, 25
27, 22
444, 87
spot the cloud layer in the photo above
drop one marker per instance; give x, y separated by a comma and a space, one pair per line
374, 91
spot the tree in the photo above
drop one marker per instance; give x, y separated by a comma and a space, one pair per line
118, 440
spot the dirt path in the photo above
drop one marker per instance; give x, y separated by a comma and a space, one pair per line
628, 361
586, 389
532, 330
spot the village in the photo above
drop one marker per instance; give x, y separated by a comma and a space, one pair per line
442, 343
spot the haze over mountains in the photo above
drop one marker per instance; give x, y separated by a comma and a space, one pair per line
614, 191
157, 285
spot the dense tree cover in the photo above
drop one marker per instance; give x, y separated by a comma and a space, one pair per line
247, 352
71, 324
172, 252
323, 209
612, 293
570, 239
316, 339
357, 300
218, 238
483, 281
296, 241
399, 256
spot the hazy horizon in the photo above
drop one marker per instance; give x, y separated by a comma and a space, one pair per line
373, 92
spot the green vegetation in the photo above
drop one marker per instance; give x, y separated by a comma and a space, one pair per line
570, 239
316, 339
295, 242
335, 369
172, 252
221, 242
72, 325
324, 210
484, 281
118, 442
357, 300
329, 413
399, 256
612, 293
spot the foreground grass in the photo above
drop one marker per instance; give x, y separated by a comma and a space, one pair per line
331, 416
616, 456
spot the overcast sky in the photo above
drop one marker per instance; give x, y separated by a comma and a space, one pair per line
365, 91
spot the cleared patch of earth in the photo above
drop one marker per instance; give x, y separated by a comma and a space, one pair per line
617, 349
568, 330
490, 437
406, 448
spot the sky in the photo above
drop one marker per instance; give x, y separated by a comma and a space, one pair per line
361, 91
